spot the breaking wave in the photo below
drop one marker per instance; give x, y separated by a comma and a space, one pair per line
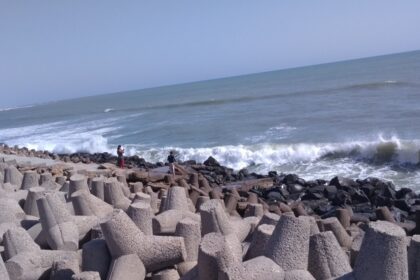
382, 151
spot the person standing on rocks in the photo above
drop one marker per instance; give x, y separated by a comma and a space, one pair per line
120, 153
172, 161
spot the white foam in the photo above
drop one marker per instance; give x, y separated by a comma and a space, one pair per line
381, 151
62, 137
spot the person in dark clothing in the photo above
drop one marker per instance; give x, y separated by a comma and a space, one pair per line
171, 157
172, 161
120, 153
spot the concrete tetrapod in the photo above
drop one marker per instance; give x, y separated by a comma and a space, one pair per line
166, 274
96, 257
86, 275
344, 217
326, 258
156, 252
175, 207
86, 204
47, 182
13, 176
17, 241
259, 241
33, 265
64, 269
289, 243
216, 254
414, 258
78, 182
142, 215
262, 268
256, 210
314, 226
190, 230
215, 219
10, 210
153, 198
339, 231
114, 195
123, 184
269, 219
30, 180
383, 254
30, 206
61, 232
176, 199
143, 197
97, 186
298, 275
45, 177
127, 267
3, 271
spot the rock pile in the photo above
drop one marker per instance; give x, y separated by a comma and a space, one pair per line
210, 223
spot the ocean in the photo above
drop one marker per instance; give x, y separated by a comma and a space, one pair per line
356, 118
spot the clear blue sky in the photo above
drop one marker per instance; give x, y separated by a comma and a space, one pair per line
52, 50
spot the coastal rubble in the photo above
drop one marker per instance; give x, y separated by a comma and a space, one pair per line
212, 222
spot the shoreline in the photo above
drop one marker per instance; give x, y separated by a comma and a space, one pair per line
202, 208
319, 196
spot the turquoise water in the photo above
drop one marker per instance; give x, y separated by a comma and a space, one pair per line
357, 118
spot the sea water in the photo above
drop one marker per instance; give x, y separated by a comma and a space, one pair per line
355, 118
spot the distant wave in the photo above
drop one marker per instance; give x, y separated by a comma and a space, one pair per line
218, 102
376, 85
15, 108
107, 110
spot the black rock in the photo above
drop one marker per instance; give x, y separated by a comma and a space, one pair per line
274, 196
243, 173
324, 207
312, 195
403, 204
381, 200
295, 188
405, 193
359, 196
385, 189
368, 189
341, 198
343, 183
295, 196
363, 208
321, 181
399, 214
311, 184
330, 191
283, 190
211, 161
290, 179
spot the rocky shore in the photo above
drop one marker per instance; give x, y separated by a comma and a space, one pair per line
206, 222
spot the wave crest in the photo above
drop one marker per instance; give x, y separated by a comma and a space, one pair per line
382, 151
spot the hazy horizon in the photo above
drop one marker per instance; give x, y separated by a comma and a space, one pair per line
59, 50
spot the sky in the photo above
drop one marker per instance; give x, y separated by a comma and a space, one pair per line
52, 50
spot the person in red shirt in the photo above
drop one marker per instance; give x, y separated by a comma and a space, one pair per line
120, 153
